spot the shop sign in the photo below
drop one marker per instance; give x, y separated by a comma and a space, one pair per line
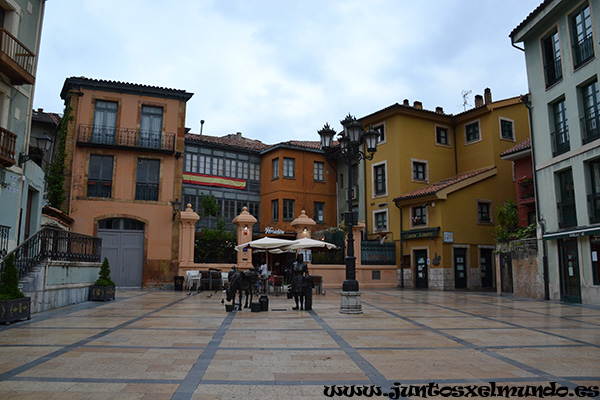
420, 233
269, 230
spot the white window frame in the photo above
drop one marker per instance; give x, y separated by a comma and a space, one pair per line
511, 139
435, 137
382, 125
468, 142
490, 212
387, 220
412, 168
373, 184
417, 226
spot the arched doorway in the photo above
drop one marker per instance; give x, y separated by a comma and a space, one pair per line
123, 245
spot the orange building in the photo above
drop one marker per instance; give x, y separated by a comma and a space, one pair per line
123, 171
296, 176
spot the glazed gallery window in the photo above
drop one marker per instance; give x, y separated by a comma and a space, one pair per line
100, 176
289, 167
105, 122
507, 129
582, 36
146, 186
275, 210
151, 127
552, 62
379, 179
319, 171
288, 209
472, 132
483, 212
419, 215
275, 168
319, 212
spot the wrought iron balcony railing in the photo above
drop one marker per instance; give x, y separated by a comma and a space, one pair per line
560, 140
583, 51
590, 125
525, 190
146, 191
567, 216
125, 138
8, 143
553, 70
16, 60
594, 207
54, 244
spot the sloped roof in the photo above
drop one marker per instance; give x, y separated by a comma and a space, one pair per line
48, 118
122, 87
524, 145
446, 183
310, 145
238, 142
531, 16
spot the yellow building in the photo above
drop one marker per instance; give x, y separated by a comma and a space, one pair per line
434, 184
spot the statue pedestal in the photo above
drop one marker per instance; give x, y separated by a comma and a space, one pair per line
351, 303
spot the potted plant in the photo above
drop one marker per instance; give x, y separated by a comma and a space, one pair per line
104, 288
14, 306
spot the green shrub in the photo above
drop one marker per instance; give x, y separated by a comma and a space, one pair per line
104, 275
9, 283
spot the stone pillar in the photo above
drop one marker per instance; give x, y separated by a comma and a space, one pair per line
303, 225
187, 232
244, 223
358, 242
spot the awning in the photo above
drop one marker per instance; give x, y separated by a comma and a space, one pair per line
595, 230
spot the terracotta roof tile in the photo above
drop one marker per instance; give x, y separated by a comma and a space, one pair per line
45, 117
82, 81
524, 145
436, 187
228, 140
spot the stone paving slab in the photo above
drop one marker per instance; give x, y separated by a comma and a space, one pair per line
154, 344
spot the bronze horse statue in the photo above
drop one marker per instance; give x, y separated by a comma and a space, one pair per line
240, 282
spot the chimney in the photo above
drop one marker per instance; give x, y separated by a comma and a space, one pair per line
406, 103
478, 100
418, 105
40, 110
487, 94
439, 110
238, 135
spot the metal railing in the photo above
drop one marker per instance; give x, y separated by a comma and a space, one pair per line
590, 124
594, 207
4, 240
525, 190
146, 191
8, 143
126, 138
560, 140
567, 216
583, 51
553, 70
375, 253
54, 244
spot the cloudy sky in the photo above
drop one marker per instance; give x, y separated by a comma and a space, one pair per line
277, 70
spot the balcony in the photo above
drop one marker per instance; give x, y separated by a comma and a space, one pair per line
16, 60
525, 187
567, 216
126, 139
553, 71
590, 124
583, 51
594, 207
8, 142
560, 141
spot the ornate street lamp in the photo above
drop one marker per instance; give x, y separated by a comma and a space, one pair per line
352, 141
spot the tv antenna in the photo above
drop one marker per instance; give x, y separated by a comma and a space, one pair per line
465, 95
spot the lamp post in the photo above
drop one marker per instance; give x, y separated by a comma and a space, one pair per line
350, 149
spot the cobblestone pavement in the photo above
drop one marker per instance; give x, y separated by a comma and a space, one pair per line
158, 344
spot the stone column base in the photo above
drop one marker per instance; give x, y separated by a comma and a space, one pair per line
351, 303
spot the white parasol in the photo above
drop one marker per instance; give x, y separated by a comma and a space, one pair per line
306, 243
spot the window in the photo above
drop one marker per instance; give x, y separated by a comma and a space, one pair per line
591, 109
275, 210
380, 218
275, 167
507, 129
288, 209
583, 42
441, 136
567, 216
419, 215
594, 194
379, 179
146, 187
472, 131
319, 212
105, 122
419, 171
319, 171
381, 130
100, 176
552, 63
288, 167
483, 212
560, 136
151, 127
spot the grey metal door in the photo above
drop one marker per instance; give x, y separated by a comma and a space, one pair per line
460, 268
123, 245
